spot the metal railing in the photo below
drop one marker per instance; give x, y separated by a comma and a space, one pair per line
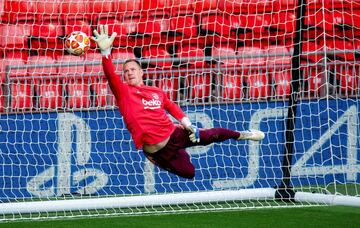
216, 82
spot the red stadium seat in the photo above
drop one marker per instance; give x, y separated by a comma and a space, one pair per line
309, 52
352, 20
17, 10
41, 70
82, 25
255, 23
46, 7
257, 85
314, 4
223, 51
127, 6
231, 87
123, 27
14, 36
94, 7
314, 23
46, 35
325, 22
94, 68
205, 5
334, 18
251, 56
50, 93
287, 4
47, 30
2, 71
351, 16
191, 51
2, 100
78, 91
333, 44
156, 53
72, 9
184, 25
21, 95
180, 7
71, 65
46, 10
153, 6
114, 25
153, 26
130, 24
199, 86
16, 54
341, 4
348, 76
170, 86
311, 4
121, 55
313, 80
283, 25
216, 24
284, 21
282, 80
102, 93
14, 73
248, 6
278, 55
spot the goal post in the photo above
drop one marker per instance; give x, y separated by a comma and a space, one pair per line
184, 200
65, 150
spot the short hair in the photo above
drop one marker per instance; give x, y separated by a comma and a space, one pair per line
132, 60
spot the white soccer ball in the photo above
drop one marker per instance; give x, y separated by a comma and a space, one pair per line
77, 43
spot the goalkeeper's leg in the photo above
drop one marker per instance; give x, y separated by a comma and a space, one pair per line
174, 161
208, 136
174, 158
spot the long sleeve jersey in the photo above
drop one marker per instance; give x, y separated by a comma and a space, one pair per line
143, 108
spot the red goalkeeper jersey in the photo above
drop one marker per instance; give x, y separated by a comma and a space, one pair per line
143, 108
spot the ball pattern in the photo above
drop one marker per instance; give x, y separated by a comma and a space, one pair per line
77, 43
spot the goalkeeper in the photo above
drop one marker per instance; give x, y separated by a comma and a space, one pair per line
144, 112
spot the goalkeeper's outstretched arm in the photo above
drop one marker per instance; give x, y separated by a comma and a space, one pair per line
104, 43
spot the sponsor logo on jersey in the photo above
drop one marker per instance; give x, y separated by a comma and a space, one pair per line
154, 103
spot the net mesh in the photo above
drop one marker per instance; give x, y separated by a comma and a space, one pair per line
227, 63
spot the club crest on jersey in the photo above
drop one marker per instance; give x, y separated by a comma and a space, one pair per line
155, 96
154, 103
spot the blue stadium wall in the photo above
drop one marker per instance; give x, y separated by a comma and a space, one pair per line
89, 152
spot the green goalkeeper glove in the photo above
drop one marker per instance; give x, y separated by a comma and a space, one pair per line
103, 40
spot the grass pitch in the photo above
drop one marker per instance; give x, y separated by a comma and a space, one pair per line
324, 216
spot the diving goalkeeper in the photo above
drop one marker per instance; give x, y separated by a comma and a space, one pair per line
144, 110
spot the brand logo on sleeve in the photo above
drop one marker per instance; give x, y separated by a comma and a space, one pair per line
154, 103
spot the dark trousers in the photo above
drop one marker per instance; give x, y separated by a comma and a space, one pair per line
174, 158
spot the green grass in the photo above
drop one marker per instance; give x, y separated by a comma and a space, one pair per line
327, 216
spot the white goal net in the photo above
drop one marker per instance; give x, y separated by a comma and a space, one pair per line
64, 148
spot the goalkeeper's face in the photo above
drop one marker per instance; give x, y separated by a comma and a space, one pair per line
133, 74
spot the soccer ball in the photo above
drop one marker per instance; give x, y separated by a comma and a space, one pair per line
77, 43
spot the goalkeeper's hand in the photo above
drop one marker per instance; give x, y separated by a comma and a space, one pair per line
194, 135
103, 40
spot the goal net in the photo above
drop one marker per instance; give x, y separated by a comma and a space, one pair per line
288, 69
